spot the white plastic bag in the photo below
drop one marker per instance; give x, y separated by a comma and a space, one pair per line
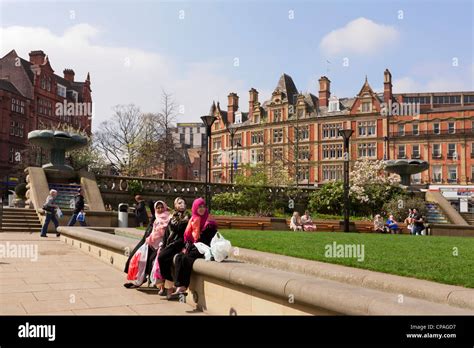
204, 249
136, 271
220, 247
59, 213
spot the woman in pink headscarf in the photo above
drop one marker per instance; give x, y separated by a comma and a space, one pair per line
201, 228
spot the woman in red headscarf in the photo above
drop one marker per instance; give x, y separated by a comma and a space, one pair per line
201, 228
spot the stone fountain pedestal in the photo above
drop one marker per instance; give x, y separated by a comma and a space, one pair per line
405, 168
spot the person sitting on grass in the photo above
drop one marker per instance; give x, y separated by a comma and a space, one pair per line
295, 222
201, 228
378, 224
307, 222
392, 224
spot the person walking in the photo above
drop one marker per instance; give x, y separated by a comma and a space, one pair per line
50, 207
78, 209
140, 211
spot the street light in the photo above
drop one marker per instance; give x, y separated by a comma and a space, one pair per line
232, 132
386, 154
200, 153
208, 121
346, 134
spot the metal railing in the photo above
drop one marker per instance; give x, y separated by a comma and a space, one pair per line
431, 132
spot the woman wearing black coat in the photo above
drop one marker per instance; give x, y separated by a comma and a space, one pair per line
140, 211
173, 240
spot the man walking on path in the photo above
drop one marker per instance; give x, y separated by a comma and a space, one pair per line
50, 208
78, 209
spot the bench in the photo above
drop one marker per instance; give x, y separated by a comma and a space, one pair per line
242, 224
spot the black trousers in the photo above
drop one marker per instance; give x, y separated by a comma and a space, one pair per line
184, 266
165, 259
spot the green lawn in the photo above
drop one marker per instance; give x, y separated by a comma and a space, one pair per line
423, 257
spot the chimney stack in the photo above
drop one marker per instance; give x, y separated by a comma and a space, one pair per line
232, 106
69, 74
253, 98
387, 86
37, 57
324, 91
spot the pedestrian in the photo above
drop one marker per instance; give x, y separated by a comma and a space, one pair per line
78, 209
140, 211
295, 222
418, 222
50, 207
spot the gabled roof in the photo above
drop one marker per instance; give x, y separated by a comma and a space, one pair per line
366, 88
8, 86
287, 86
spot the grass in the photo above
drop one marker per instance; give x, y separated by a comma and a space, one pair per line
424, 257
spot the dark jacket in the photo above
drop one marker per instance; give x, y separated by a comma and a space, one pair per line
140, 212
174, 234
78, 204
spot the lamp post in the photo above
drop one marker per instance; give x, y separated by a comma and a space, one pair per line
200, 153
232, 132
346, 134
208, 121
386, 154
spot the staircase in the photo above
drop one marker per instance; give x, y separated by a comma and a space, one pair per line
469, 217
66, 193
19, 220
434, 215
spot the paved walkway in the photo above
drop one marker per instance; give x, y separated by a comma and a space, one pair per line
65, 281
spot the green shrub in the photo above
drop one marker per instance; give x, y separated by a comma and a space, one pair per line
399, 205
135, 187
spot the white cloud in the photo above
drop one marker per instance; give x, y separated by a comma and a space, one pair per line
360, 36
122, 75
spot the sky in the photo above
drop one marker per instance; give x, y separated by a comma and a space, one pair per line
200, 51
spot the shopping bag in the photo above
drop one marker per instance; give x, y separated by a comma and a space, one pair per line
81, 216
204, 249
136, 269
59, 213
155, 275
220, 247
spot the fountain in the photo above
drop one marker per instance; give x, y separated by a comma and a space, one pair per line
58, 142
405, 168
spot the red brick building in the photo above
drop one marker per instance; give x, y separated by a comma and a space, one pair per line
33, 97
301, 131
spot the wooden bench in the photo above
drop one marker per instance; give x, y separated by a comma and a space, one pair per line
243, 224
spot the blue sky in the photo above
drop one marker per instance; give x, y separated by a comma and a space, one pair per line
193, 57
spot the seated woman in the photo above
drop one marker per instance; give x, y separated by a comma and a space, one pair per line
307, 222
378, 224
201, 228
295, 222
392, 224
153, 240
173, 241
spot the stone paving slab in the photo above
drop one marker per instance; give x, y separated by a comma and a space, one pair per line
66, 281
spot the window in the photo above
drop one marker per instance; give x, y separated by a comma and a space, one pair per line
43, 82
277, 135
334, 105
191, 139
469, 99
12, 127
62, 91
216, 160
415, 151
452, 151
367, 150
417, 100
303, 132
181, 138
256, 156
451, 128
436, 128
278, 154
238, 118
300, 113
256, 119
416, 178
332, 151
401, 151
195, 173
366, 106
415, 129
216, 144
437, 174
332, 172
452, 173
366, 128
216, 177
277, 115
237, 140
257, 137
401, 129
303, 174
447, 99
303, 153
472, 174
331, 130
436, 150
472, 151
18, 106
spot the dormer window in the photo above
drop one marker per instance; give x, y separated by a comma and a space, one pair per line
238, 117
366, 106
334, 105
61, 91
277, 115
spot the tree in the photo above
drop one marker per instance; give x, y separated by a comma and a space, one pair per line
120, 138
